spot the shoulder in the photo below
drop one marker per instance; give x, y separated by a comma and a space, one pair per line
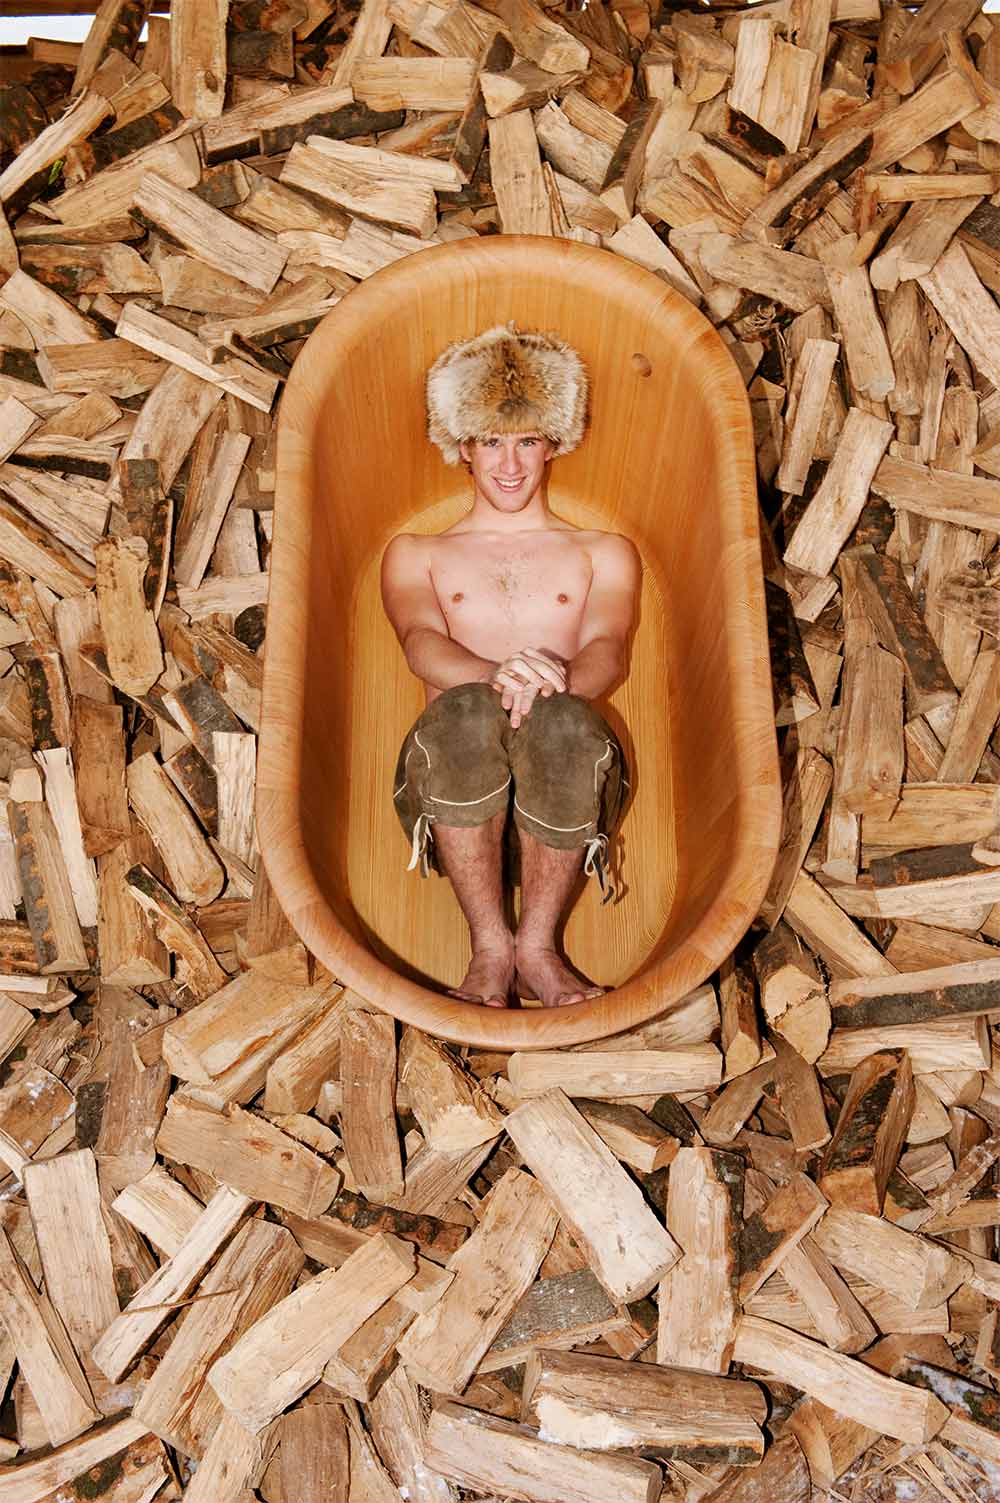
615, 555
407, 550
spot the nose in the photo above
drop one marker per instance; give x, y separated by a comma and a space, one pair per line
510, 463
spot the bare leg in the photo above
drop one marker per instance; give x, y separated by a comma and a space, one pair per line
547, 878
472, 860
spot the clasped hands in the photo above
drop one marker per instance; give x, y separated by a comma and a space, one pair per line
527, 673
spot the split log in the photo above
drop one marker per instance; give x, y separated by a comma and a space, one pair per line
628, 1250
493, 1269
368, 1119
698, 1296
615, 1405
869, 1134
284, 1352
239, 1148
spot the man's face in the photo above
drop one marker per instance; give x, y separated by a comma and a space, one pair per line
508, 468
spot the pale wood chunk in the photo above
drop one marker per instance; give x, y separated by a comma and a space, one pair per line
284, 1352
871, 1127
160, 1208
99, 759
453, 1111
198, 58
256, 1270
493, 1269
809, 393
209, 234
243, 1015
606, 1073
919, 1273
295, 1077
827, 930
153, 1304
698, 1297
493, 1456
627, 1249
195, 873
368, 1117
861, 1394
131, 638
517, 176
46, 1358
834, 510
612, 1405
79, 1276
241, 1149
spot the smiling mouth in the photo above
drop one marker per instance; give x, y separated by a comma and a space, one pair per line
509, 485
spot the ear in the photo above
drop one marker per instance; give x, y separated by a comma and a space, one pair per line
464, 449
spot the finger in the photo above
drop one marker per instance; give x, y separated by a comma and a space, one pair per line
526, 670
516, 681
541, 669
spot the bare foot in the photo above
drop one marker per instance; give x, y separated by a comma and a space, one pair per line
540, 973
489, 977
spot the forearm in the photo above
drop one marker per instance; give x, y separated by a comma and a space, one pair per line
442, 663
596, 668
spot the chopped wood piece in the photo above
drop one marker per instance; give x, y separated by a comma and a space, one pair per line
866, 1143
835, 508
241, 1149
79, 1277
241, 1016
256, 1270
613, 1405
453, 1112
297, 1073
368, 1119
966, 307
284, 1352
47, 1360
921, 1274
493, 1269
646, 1072
792, 993
857, 1391
490, 1455
698, 1297
153, 1304
132, 642
159, 1207
195, 874
633, 1137
789, 1214
566, 1310
209, 234
628, 1250
198, 970
521, 197
51, 913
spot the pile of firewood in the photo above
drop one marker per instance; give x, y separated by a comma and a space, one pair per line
745, 1253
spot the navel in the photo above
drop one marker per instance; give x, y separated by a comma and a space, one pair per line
458, 595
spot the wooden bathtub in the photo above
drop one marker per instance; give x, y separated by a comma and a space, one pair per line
669, 461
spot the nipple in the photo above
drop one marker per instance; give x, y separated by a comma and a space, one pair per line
458, 595
562, 599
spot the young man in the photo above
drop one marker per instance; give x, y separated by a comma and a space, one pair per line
514, 621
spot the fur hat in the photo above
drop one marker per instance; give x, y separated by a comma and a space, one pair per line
503, 381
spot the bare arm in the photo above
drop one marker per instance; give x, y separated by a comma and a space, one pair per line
599, 663
411, 604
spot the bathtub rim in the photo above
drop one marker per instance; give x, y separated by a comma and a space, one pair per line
660, 983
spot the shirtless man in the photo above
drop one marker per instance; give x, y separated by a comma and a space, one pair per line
514, 620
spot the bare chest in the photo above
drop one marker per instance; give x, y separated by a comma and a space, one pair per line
518, 593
